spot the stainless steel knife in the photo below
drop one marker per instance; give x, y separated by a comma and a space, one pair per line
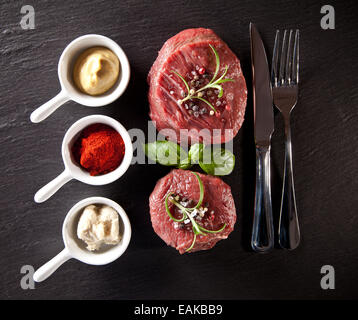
262, 238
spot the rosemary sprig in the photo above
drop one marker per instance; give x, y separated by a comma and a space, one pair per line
187, 213
213, 83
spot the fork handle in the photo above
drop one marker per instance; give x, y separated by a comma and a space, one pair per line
262, 239
289, 230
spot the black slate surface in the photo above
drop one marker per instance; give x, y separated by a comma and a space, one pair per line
324, 128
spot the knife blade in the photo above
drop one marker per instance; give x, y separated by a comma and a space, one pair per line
262, 238
263, 102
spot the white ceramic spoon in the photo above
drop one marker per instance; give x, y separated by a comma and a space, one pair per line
69, 90
74, 171
76, 248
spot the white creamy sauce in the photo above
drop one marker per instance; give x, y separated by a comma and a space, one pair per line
99, 225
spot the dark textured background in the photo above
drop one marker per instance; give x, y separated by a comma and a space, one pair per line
324, 126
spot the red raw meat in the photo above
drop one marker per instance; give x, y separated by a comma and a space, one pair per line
185, 53
217, 197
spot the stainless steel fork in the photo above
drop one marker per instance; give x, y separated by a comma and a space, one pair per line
284, 78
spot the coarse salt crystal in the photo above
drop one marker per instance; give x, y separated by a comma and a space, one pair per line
230, 96
186, 221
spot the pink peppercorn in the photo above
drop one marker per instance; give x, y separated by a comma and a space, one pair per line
201, 70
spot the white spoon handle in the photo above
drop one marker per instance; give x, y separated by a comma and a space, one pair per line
41, 113
49, 189
51, 266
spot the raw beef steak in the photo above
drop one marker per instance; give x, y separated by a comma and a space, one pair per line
217, 198
189, 54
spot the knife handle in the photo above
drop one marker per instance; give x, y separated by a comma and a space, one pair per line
262, 231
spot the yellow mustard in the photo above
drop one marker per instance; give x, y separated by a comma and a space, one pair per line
96, 70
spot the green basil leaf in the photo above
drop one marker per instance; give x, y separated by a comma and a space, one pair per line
219, 162
166, 153
196, 152
150, 150
185, 164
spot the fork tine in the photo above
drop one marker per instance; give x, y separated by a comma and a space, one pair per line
289, 60
295, 60
274, 66
283, 58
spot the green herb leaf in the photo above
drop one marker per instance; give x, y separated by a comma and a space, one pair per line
212, 231
196, 152
219, 162
220, 88
192, 244
187, 212
201, 188
168, 210
213, 84
185, 164
166, 153
224, 74
206, 101
217, 63
225, 80
182, 78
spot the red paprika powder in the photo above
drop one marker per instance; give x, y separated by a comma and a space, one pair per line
99, 149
